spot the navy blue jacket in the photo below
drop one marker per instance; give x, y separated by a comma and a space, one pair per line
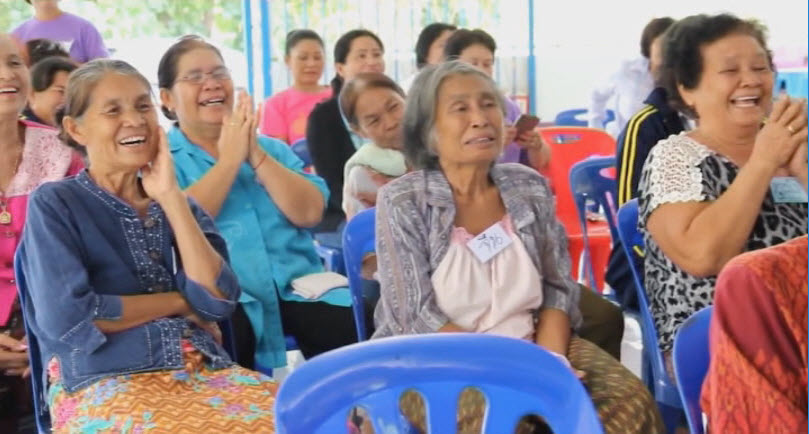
654, 122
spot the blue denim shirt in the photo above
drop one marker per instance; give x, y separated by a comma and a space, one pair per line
82, 249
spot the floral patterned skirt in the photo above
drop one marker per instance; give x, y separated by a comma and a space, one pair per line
195, 400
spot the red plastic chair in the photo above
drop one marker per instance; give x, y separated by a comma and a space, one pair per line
569, 145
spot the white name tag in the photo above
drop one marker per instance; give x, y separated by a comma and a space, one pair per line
786, 189
489, 243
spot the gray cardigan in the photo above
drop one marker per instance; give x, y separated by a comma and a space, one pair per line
414, 221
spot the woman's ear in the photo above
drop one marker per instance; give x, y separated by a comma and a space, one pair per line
686, 95
74, 130
339, 68
166, 99
356, 130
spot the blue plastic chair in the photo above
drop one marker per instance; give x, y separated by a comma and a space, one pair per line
691, 360
329, 247
654, 370
301, 149
588, 183
358, 240
516, 377
577, 118
41, 414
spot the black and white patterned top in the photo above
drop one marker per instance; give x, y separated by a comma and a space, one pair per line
679, 169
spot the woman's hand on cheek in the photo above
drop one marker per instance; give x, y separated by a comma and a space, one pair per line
159, 181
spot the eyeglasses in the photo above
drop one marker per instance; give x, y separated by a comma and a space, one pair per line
199, 77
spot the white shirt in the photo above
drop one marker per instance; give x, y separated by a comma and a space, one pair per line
623, 93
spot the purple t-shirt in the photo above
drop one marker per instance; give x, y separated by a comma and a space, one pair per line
512, 153
77, 35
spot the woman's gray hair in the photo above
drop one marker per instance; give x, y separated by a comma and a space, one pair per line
422, 100
80, 86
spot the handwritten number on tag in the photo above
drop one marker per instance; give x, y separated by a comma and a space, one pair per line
489, 243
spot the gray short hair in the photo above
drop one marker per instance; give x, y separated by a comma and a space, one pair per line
80, 86
419, 118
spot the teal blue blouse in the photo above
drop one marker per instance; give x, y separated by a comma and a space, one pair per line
266, 250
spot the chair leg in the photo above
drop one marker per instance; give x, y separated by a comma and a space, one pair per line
672, 417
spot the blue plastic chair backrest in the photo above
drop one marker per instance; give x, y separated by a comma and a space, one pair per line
41, 414
515, 376
358, 240
691, 360
571, 118
578, 118
301, 149
632, 240
587, 181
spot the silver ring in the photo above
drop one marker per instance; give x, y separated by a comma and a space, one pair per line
790, 129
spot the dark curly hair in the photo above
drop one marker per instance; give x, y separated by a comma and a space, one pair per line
426, 38
167, 68
343, 47
465, 38
298, 35
652, 31
682, 56
39, 49
353, 88
44, 72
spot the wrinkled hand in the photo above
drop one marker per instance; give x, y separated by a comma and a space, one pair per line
158, 177
530, 140
510, 136
784, 131
208, 326
234, 140
13, 356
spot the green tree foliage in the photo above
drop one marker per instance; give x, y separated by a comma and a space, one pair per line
220, 20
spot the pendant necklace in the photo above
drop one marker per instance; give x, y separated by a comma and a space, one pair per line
5, 215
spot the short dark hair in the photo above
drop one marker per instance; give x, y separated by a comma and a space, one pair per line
426, 38
44, 71
343, 47
353, 88
41, 48
464, 38
296, 36
167, 69
652, 31
80, 88
682, 55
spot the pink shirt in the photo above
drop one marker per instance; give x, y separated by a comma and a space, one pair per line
285, 113
45, 158
495, 297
